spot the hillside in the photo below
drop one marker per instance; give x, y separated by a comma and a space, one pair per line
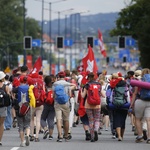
88, 24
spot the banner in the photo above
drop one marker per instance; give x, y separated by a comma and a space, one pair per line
29, 62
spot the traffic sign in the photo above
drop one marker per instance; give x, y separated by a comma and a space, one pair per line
36, 43
68, 42
130, 42
96, 42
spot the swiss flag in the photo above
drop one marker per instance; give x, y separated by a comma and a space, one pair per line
80, 68
89, 63
37, 66
101, 44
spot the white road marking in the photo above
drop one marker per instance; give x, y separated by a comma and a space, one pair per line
15, 148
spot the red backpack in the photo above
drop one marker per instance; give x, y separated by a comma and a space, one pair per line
93, 93
49, 97
38, 91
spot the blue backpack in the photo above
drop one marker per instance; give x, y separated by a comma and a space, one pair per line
23, 94
61, 96
145, 93
109, 93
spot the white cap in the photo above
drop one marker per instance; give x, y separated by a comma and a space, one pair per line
2, 75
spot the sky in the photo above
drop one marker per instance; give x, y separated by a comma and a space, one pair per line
34, 7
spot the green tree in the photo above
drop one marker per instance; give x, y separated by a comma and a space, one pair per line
134, 20
12, 30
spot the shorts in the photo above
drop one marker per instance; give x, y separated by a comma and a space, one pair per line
104, 110
142, 108
85, 119
24, 122
62, 111
3, 111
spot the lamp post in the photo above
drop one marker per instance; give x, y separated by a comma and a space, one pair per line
50, 28
77, 23
50, 25
24, 29
59, 12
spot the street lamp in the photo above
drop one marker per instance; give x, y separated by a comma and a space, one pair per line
50, 26
77, 24
59, 12
24, 28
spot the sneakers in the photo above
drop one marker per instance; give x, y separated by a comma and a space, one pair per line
74, 124
120, 139
67, 139
92, 140
114, 137
37, 140
59, 139
139, 139
0, 143
95, 136
148, 141
45, 134
144, 135
69, 136
88, 136
32, 138
14, 122
99, 131
22, 144
133, 128
50, 137
27, 140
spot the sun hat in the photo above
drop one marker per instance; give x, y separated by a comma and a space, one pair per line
115, 75
138, 72
2, 75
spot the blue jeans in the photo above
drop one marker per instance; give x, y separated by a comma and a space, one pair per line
8, 119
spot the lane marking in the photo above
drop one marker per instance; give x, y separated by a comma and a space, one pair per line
14, 148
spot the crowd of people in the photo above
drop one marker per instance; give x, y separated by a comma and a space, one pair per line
97, 100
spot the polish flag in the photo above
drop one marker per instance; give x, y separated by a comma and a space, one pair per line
101, 44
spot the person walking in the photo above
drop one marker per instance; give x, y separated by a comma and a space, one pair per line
48, 113
3, 110
62, 93
119, 98
90, 90
141, 107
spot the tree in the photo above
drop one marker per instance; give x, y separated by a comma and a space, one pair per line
12, 29
134, 20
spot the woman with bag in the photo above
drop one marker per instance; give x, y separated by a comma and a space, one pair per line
3, 109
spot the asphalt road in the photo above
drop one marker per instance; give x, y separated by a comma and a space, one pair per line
11, 141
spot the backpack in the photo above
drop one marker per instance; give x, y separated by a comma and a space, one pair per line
109, 93
145, 93
38, 91
5, 100
49, 97
16, 81
24, 109
93, 93
119, 96
61, 96
23, 94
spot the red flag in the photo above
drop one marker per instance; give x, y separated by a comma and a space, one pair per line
37, 66
80, 68
89, 63
101, 44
